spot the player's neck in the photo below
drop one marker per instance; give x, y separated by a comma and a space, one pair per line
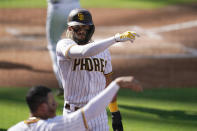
39, 115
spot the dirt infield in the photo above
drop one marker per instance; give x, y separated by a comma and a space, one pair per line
164, 56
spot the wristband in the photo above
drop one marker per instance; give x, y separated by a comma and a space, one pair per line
113, 107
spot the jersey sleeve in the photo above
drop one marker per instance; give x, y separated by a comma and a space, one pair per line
63, 47
108, 67
70, 122
21, 126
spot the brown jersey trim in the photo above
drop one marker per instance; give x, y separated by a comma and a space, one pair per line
108, 74
31, 120
66, 53
84, 119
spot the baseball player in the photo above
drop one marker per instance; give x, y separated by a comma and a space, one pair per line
56, 24
42, 106
85, 67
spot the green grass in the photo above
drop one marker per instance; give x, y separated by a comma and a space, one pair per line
159, 109
152, 110
139, 4
23, 3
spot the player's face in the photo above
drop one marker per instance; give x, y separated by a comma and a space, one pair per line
52, 105
80, 31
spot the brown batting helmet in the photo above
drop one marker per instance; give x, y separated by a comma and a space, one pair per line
78, 17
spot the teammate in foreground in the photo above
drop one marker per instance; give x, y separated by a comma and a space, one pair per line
42, 106
85, 67
56, 24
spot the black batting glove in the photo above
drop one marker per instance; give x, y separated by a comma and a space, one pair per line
116, 121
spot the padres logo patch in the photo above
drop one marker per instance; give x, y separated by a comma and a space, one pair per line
80, 16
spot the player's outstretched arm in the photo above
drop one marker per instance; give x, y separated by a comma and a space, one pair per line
100, 102
94, 48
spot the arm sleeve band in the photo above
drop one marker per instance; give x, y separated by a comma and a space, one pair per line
113, 107
91, 49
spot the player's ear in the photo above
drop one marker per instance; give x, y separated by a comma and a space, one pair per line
43, 107
70, 28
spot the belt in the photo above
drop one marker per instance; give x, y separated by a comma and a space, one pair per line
67, 106
55, 1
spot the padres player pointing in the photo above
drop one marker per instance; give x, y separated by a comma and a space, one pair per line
85, 67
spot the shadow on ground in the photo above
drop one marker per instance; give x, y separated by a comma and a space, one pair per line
12, 65
1, 129
173, 114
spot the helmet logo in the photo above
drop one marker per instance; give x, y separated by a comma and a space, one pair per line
80, 16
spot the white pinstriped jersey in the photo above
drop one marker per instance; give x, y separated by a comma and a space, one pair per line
82, 78
73, 122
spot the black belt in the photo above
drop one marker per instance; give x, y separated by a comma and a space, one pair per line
67, 106
55, 1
